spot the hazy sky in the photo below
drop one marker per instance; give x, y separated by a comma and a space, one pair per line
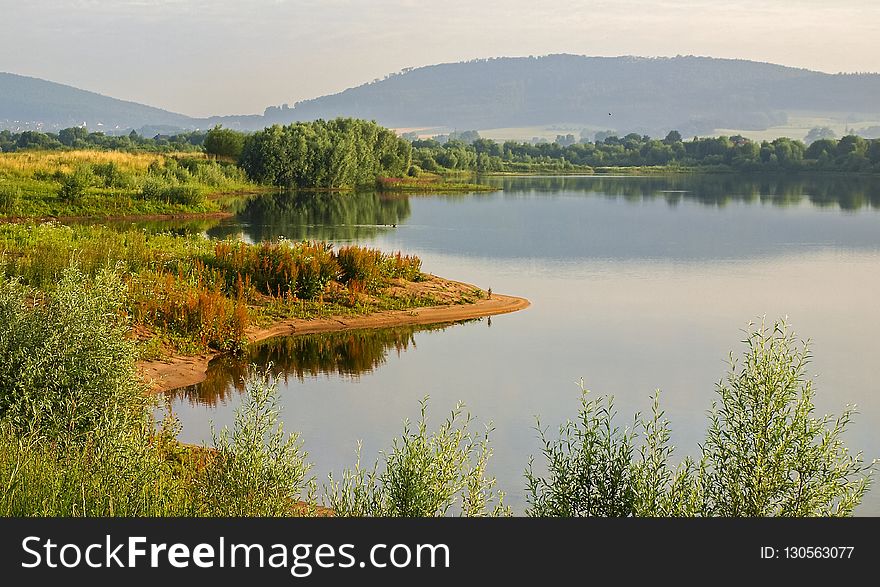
203, 57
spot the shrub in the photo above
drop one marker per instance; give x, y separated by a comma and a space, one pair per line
112, 175
258, 470
423, 475
187, 195
765, 453
160, 189
594, 469
65, 361
75, 184
154, 188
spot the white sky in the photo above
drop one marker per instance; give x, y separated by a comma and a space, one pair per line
202, 57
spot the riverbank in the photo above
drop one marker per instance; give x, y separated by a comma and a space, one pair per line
181, 370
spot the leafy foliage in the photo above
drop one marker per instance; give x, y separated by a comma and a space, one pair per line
257, 470
765, 453
64, 358
339, 153
424, 474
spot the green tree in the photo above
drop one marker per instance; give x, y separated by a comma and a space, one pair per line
69, 136
224, 142
672, 137
818, 133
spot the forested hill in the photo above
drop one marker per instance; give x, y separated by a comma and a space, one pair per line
649, 95
27, 100
694, 95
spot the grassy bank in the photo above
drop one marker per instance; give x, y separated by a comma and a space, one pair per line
111, 183
188, 294
430, 183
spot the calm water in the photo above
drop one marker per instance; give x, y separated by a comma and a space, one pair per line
636, 284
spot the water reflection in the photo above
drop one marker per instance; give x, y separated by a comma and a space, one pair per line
347, 354
315, 215
849, 192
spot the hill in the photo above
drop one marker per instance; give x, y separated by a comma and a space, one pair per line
695, 95
650, 95
28, 103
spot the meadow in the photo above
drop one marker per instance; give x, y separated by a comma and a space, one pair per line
113, 183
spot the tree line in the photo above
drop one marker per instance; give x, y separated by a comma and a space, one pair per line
850, 153
79, 137
348, 152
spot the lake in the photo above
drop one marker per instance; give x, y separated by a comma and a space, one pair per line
636, 284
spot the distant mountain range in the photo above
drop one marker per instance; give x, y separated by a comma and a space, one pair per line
26, 102
630, 94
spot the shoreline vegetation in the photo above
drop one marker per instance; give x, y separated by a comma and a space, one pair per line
88, 310
78, 437
77, 174
174, 372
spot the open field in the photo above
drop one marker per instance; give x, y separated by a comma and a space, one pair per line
110, 183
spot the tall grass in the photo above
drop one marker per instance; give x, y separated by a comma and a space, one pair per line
88, 183
300, 270
189, 309
373, 268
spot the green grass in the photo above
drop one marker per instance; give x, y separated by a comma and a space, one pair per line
429, 183
188, 294
43, 184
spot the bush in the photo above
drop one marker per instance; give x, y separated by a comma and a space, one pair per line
160, 189
75, 184
154, 188
765, 453
423, 475
112, 175
186, 195
594, 468
258, 470
65, 361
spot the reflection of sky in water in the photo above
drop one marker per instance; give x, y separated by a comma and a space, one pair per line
631, 296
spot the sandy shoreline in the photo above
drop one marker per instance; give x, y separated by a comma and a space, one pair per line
180, 371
